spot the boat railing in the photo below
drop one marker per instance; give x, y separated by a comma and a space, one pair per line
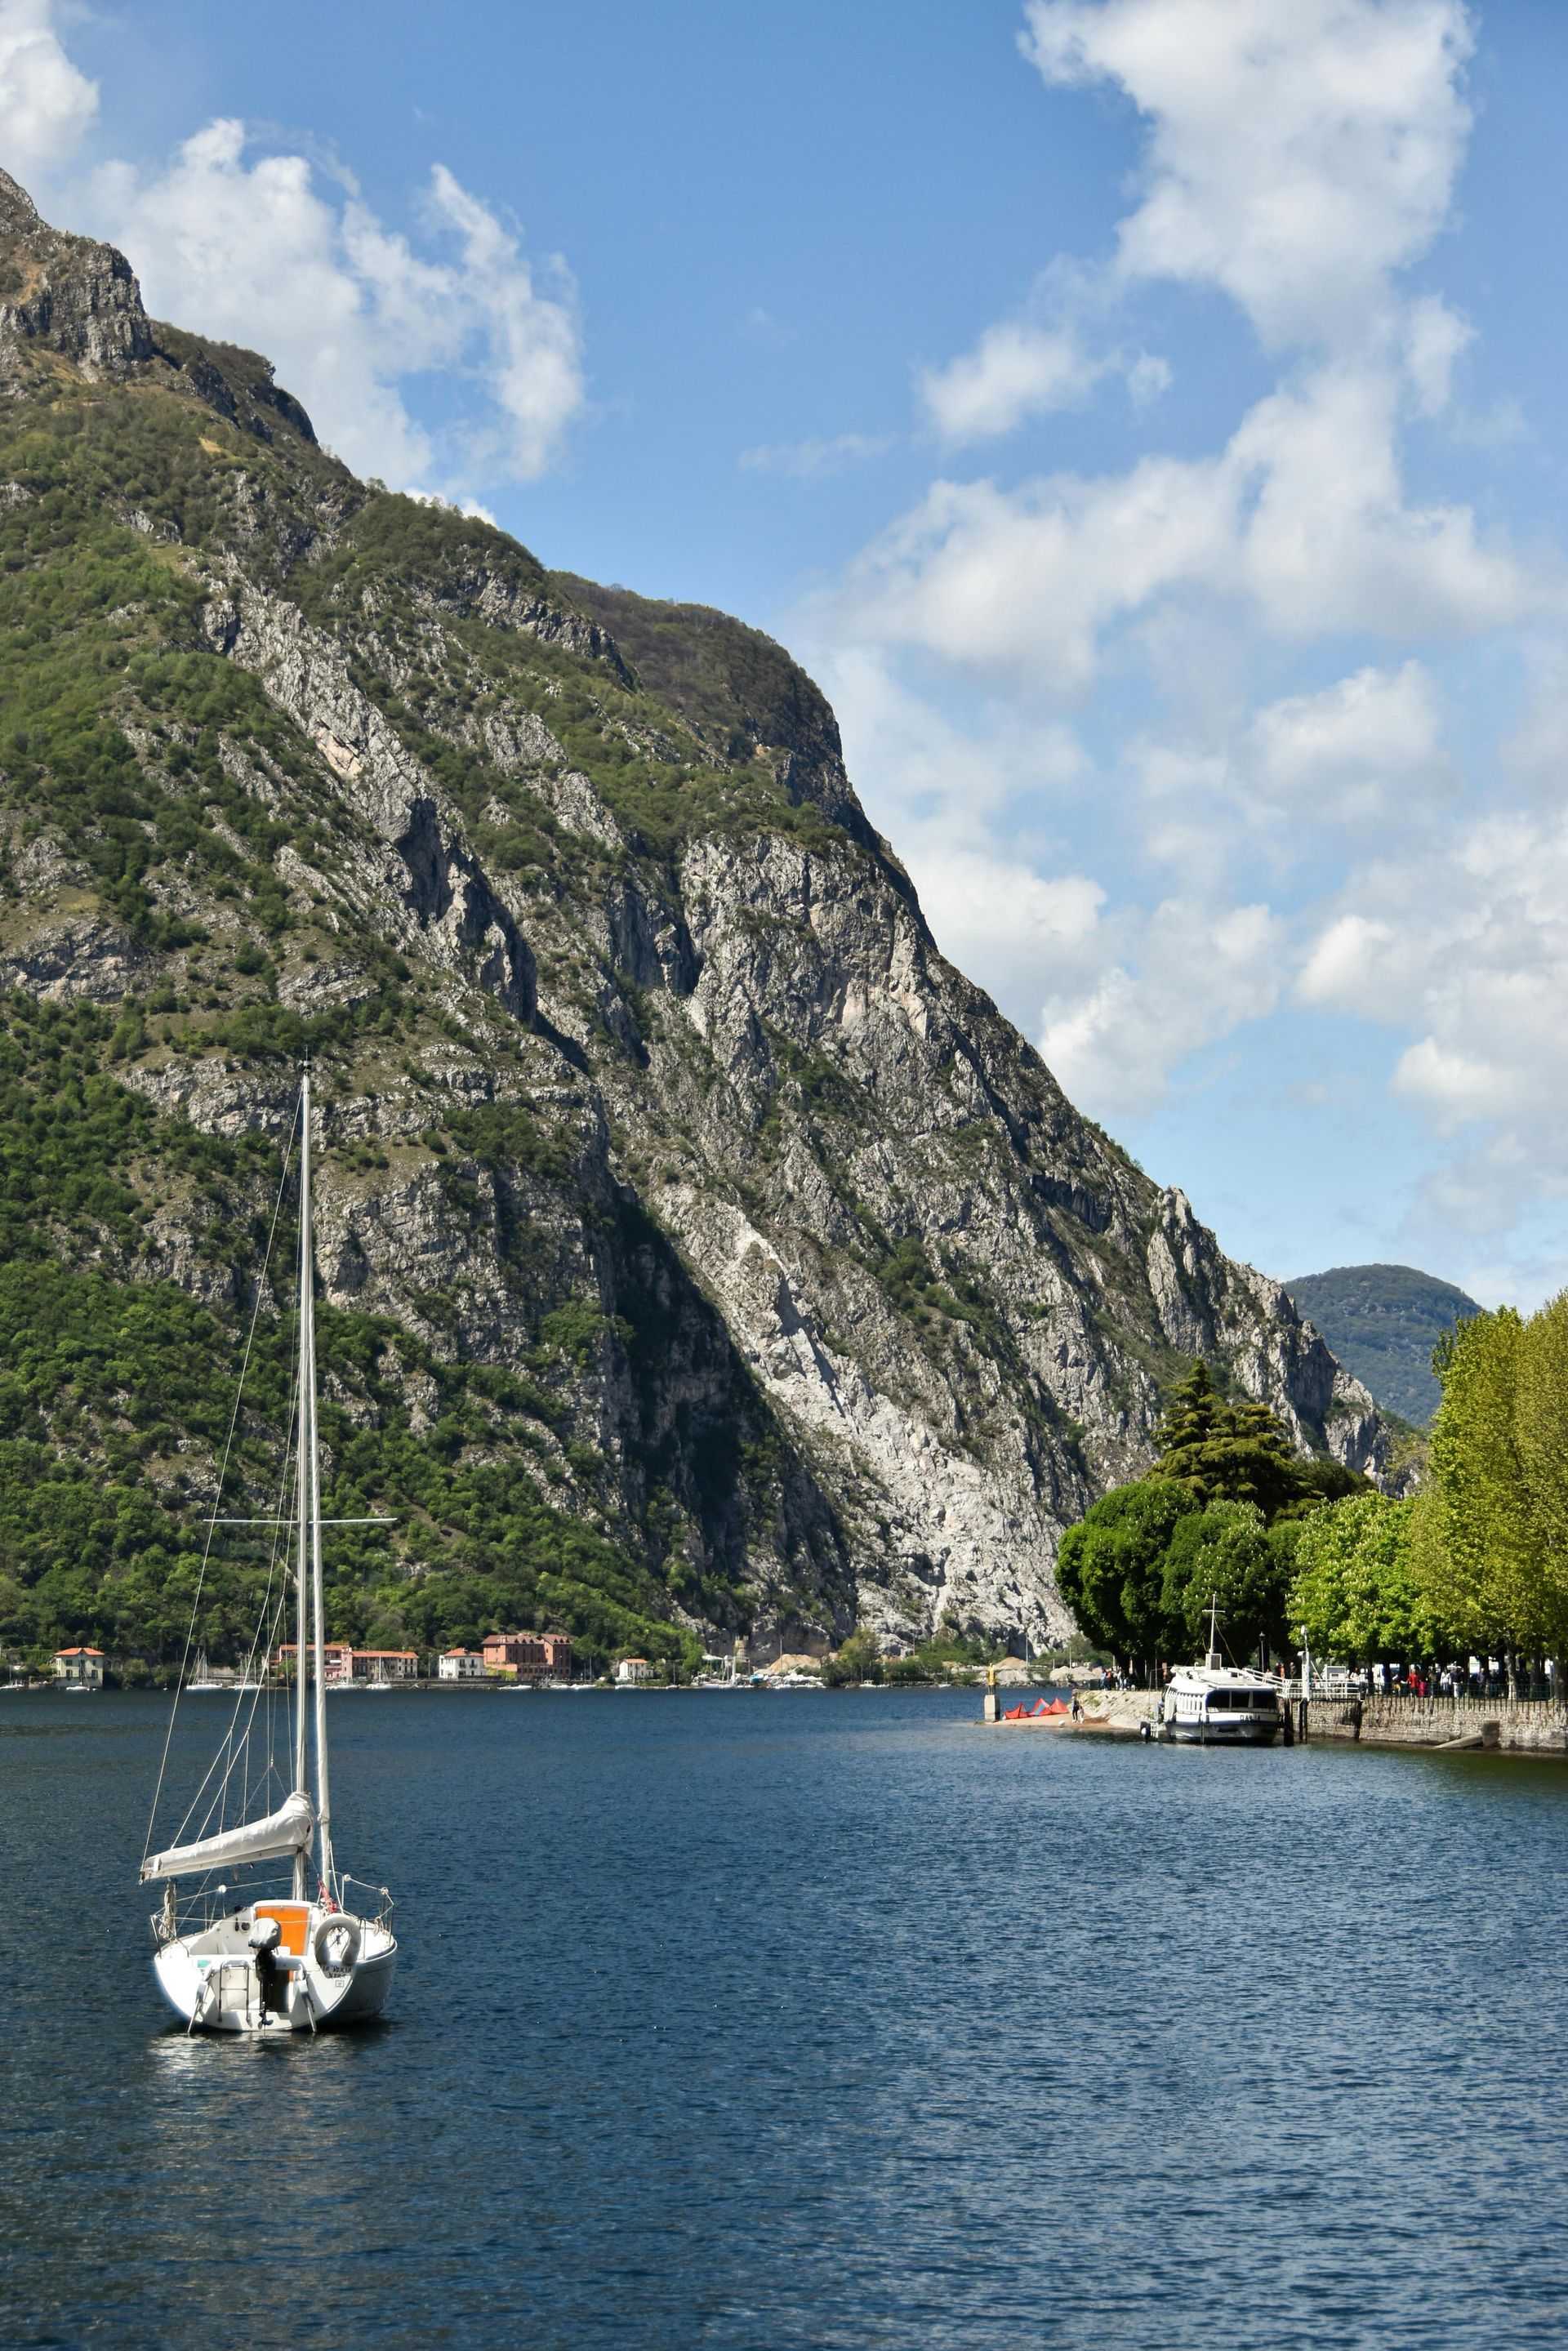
384, 1905
193, 1913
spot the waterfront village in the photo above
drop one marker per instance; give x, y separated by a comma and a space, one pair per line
518, 1657
536, 1657
545, 1660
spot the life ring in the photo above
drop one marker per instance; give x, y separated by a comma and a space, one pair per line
335, 1945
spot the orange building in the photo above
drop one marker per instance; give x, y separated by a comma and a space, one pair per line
337, 1660
342, 1663
528, 1657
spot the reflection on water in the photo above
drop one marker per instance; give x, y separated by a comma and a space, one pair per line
771, 2021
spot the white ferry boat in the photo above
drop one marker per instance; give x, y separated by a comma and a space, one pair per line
1216, 1705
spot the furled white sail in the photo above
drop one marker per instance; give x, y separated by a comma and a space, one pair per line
288, 1831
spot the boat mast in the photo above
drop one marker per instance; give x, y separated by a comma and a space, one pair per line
310, 1490
302, 1478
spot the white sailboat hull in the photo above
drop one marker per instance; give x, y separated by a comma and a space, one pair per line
210, 1978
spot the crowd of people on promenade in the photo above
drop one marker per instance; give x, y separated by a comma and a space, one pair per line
1461, 1677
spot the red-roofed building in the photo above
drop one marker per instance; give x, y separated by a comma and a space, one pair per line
461, 1666
80, 1669
337, 1660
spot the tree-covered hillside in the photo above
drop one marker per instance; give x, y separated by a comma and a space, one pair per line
1383, 1322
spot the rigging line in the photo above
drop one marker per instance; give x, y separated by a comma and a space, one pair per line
263, 1642
236, 1744
222, 1472
226, 1746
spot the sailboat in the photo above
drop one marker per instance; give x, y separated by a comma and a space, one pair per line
295, 1955
205, 1679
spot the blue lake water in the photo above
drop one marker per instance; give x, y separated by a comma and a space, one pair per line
807, 2020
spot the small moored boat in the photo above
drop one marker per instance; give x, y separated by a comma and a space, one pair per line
1211, 1704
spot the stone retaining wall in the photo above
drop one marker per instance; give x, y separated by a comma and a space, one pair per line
1531, 1723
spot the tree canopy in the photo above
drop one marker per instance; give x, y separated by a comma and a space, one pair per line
1111, 1569
1215, 1519
1222, 1452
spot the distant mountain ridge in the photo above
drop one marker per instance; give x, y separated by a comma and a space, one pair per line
1383, 1322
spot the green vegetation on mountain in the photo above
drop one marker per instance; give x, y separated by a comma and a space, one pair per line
700, 1254
1383, 1322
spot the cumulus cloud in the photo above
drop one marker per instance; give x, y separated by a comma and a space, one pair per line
1015, 371
248, 247
1461, 947
1299, 151
1223, 856
1435, 337
46, 104
1188, 975
1302, 517
1362, 752
1018, 370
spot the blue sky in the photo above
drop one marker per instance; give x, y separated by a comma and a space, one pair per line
1142, 415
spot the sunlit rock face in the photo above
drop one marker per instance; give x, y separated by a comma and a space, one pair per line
642, 1072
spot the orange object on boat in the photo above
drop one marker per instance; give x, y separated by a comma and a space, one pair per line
292, 1919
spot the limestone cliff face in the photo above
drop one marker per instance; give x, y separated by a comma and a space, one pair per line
635, 1043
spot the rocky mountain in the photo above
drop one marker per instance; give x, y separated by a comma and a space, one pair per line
703, 1252
1383, 1322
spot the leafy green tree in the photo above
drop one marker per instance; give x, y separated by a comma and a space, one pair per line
1484, 1575
1111, 1569
1541, 1437
858, 1660
1356, 1587
1222, 1554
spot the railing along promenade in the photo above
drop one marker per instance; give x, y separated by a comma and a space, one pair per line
1540, 1725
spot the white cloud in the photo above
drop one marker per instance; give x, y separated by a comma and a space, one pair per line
1148, 378
1434, 338
1014, 371
1461, 947
1299, 154
249, 247
1299, 151
250, 250
1301, 518
1361, 752
46, 105
1054, 355
1187, 975
815, 461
